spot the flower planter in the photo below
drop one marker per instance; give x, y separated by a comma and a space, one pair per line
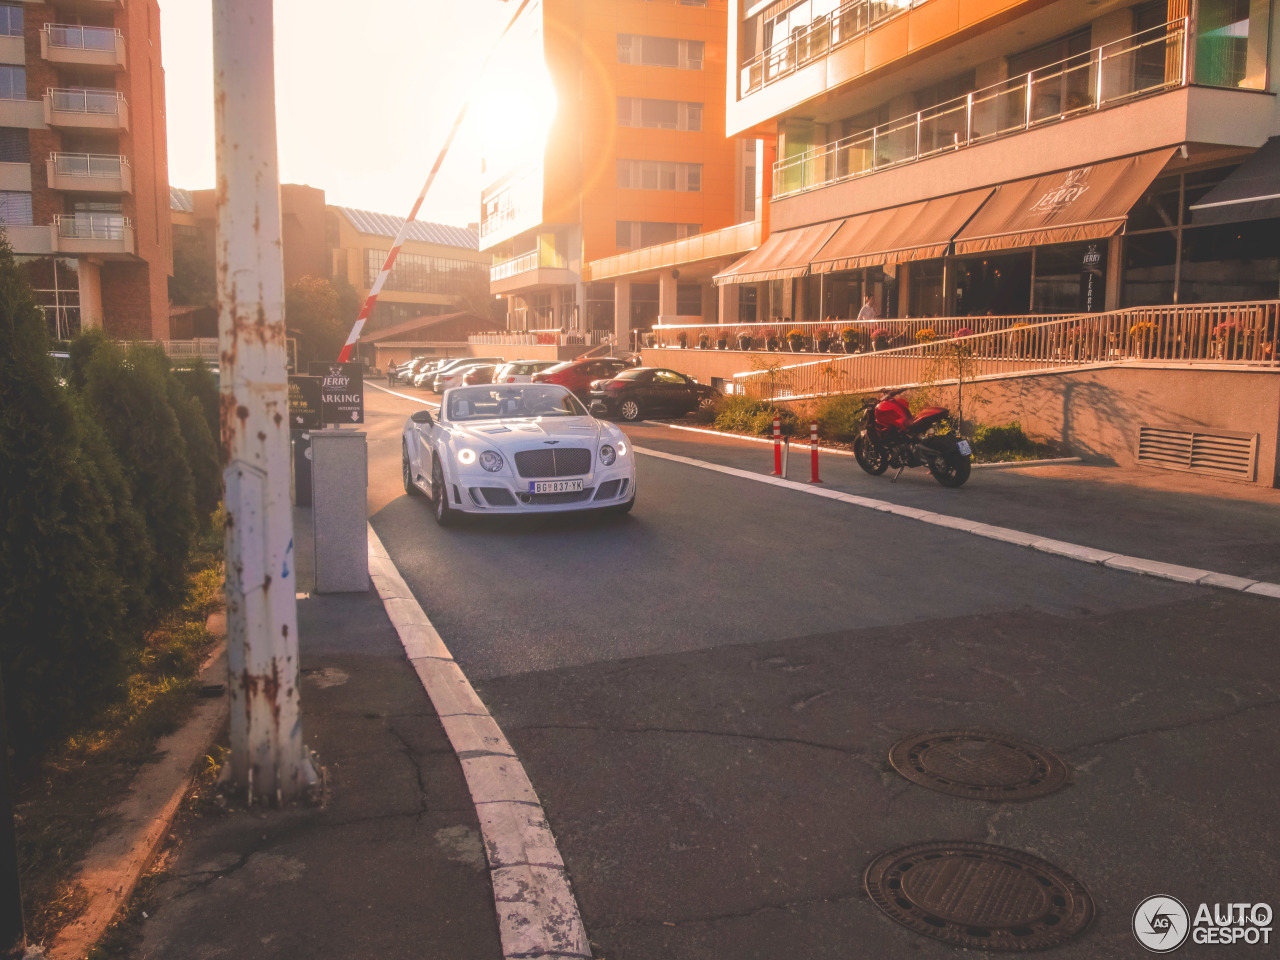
722, 344
744, 343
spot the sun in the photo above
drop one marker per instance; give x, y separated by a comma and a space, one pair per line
514, 107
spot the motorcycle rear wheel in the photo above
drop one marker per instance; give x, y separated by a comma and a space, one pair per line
873, 459
951, 469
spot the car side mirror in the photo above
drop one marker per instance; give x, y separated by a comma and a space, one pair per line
421, 416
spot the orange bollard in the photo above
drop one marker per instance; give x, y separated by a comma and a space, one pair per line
813, 446
777, 446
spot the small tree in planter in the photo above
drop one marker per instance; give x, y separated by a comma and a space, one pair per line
744, 340
851, 339
795, 340
682, 338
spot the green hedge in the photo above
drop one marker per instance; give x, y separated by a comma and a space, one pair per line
105, 480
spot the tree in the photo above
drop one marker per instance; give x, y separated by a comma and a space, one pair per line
313, 306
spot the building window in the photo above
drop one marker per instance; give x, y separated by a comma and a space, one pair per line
633, 234
645, 51
15, 208
659, 114
418, 273
10, 20
56, 285
13, 83
659, 175
1231, 45
15, 145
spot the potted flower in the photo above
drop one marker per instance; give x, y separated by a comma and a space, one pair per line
648, 340
704, 341
825, 340
722, 341
927, 335
1018, 338
851, 339
771, 340
744, 340
1227, 338
682, 338
879, 339
1141, 336
795, 340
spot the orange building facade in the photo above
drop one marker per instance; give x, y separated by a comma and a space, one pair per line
636, 156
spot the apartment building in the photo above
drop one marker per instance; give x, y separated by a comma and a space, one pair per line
974, 157
635, 158
84, 192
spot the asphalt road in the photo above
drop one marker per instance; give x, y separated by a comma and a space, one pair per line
704, 694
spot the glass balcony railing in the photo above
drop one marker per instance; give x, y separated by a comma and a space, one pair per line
89, 165
516, 265
1108, 75
92, 226
69, 37
816, 39
96, 102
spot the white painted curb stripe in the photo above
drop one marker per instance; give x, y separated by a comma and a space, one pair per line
403, 396
537, 913
800, 442
1073, 551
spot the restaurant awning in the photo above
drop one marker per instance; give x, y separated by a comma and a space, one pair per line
916, 231
1250, 192
786, 253
1086, 203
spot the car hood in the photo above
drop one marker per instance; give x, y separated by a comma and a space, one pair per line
518, 433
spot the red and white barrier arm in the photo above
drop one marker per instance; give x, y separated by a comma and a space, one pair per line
344, 354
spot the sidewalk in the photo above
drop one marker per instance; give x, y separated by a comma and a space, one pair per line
391, 866
1185, 519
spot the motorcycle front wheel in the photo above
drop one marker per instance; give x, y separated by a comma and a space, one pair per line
951, 469
873, 459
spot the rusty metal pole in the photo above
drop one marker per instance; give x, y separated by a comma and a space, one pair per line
269, 761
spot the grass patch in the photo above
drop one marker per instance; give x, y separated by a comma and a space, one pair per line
995, 444
61, 803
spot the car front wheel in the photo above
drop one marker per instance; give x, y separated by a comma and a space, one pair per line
445, 515
406, 472
629, 410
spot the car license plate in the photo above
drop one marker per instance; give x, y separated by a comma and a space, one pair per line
963, 447
555, 486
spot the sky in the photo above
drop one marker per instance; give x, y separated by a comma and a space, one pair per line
365, 95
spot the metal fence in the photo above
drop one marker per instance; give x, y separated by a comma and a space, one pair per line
827, 336
1110, 74
541, 338
103, 102
1240, 334
88, 165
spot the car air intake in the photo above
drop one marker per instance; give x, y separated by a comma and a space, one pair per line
570, 462
497, 496
576, 496
608, 490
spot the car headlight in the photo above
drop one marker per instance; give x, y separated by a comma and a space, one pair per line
491, 460
622, 449
608, 455
466, 457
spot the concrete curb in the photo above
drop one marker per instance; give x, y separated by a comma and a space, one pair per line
112, 868
1072, 551
537, 913
802, 442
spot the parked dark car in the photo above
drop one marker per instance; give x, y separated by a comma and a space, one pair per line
578, 375
641, 391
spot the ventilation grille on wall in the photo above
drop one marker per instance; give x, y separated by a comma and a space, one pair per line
1218, 454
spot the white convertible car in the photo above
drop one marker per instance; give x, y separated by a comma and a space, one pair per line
519, 448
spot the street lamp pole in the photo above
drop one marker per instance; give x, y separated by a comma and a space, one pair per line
269, 760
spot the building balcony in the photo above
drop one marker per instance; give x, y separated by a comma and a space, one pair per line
29, 240
538, 267
84, 109
96, 234
77, 46
89, 173
1108, 76
21, 113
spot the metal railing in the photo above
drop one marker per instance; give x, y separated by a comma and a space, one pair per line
516, 265
541, 338
88, 165
92, 226
71, 37
1239, 334
1113, 73
828, 336
818, 38
101, 102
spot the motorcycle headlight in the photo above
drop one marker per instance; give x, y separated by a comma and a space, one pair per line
466, 457
491, 460
608, 455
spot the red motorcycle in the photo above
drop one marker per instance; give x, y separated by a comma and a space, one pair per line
892, 437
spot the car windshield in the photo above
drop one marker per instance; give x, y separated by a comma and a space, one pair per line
513, 401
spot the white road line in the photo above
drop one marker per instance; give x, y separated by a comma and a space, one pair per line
403, 396
1115, 561
537, 913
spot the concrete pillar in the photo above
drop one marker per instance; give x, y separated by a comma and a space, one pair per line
710, 305
90, 278
667, 304
622, 312
339, 484
728, 295
1115, 271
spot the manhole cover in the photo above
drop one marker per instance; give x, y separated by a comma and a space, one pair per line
981, 766
979, 896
